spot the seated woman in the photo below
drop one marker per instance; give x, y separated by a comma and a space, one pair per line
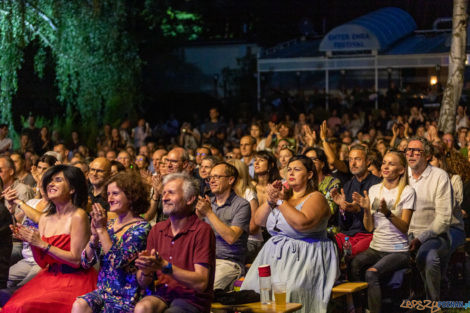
387, 211
116, 243
63, 233
244, 188
266, 173
25, 269
298, 252
326, 183
285, 154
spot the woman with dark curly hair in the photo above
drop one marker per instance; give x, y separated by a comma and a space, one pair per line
117, 243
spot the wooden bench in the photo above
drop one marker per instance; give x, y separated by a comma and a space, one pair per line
347, 288
256, 307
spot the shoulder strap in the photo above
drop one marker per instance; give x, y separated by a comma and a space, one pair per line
127, 224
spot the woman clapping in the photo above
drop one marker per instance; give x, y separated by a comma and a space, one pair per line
116, 243
388, 208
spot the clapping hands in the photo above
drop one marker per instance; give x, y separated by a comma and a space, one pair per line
157, 184
309, 136
363, 202
99, 218
149, 261
340, 199
11, 195
275, 191
203, 206
28, 234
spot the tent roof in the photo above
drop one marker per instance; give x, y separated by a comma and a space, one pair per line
374, 31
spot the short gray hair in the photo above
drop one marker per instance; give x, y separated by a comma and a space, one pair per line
428, 149
190, 185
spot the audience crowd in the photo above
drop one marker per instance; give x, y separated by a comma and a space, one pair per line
155, 220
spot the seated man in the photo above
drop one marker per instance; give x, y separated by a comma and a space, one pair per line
5, 244
436, 226
351, 214
180, 251
229, 215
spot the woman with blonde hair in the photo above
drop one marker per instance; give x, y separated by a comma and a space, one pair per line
388, 208
244, 188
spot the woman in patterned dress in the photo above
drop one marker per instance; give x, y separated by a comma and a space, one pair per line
116, 243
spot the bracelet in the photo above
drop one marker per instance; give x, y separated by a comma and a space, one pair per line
146, 275
168, 269
45, 251
92, 245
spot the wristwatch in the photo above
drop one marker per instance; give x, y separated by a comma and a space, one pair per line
168, 269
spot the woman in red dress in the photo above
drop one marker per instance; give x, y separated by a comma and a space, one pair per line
62, 235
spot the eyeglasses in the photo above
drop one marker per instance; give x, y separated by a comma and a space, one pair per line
201, 154
216, 177
98, 171
415, 151
172, 161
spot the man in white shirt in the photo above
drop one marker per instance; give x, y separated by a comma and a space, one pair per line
429, 228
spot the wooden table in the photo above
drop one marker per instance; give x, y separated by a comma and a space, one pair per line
347, 288
256, 307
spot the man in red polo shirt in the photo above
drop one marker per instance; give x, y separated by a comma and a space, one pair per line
180, 253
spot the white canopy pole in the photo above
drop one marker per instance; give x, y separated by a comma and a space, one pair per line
258, 85
327, 87
376, 81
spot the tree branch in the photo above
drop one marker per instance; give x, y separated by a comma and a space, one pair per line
43, 15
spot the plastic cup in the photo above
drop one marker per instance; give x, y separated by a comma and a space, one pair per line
279, 290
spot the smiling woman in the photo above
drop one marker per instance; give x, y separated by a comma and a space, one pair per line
299, 247
63, 234
387, 212
116, 243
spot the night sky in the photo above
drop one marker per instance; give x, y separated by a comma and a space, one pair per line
265, 22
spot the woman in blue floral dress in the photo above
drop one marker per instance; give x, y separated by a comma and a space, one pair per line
116, 243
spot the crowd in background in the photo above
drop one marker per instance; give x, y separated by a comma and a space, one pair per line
275, 190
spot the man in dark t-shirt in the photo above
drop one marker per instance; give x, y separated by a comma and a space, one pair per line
100, 170
351, 214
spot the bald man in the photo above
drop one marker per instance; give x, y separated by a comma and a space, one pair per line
98, 174
177, 160
157, 158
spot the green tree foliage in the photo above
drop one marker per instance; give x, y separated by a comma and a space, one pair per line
97, 64
94, 47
